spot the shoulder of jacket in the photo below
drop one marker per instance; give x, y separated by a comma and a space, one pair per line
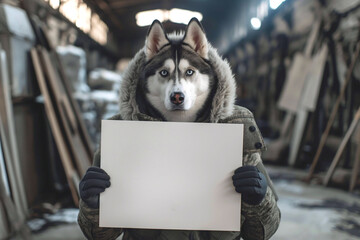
242, 112
115, 117
253, 140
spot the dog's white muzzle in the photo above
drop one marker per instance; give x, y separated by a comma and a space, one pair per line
180, 96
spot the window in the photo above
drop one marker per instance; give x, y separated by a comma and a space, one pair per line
99, 29
82, 16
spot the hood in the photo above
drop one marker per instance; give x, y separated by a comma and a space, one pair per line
223, 100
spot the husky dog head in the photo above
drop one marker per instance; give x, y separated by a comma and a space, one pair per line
178, 80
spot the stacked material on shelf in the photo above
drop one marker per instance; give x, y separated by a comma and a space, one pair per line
74, 62
105, 86
104, 79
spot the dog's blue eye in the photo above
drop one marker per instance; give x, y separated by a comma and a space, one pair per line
189, 72
164, 73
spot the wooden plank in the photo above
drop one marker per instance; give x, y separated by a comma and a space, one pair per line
3, 171
291, 95
84, 133
59, 90
342, 148
4, 190
293, 91
333, 114
298, 134
286, 125
356, 167
15, 215
77, 148
71, 174
4, 223
9, 138
309, 98
312, 37
314, 79
293, 100
69, 111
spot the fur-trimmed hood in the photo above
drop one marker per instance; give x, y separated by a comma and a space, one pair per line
223, 100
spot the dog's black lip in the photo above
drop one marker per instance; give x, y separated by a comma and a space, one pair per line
178, 108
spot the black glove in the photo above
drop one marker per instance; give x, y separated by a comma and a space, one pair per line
95, 181
251, 183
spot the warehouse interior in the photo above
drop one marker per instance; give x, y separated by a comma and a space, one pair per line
297, 69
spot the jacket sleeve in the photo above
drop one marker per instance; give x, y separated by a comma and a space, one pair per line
88, 218
261, 221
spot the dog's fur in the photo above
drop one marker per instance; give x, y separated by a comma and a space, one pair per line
142, 92
184, 59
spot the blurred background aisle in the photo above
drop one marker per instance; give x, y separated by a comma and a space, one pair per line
296, 65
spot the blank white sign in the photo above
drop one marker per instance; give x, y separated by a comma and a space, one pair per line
171, 175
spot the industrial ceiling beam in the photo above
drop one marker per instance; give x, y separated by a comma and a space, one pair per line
106, 13
128, 3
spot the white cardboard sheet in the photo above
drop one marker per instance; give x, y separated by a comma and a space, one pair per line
291, 94
171, 175
314, 79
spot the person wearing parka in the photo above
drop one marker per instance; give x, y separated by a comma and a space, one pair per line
257, 221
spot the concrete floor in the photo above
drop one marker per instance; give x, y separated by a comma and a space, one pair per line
313, 211
308, 212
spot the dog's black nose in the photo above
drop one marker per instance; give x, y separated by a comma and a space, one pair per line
177, 98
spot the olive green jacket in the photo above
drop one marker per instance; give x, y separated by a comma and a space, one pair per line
257, 222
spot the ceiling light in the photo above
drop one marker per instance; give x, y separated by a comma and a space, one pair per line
183, 16
147, 17
255, 23
274, 4
175, 15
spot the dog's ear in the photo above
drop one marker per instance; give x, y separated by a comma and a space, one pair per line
195, 37
155, 39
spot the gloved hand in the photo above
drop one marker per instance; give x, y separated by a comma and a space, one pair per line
251, 183
95, 181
